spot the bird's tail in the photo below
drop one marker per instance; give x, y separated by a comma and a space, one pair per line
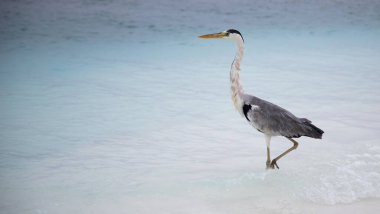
312, 131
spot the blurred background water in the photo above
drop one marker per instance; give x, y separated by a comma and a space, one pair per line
115, 106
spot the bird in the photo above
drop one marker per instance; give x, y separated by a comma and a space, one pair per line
268, 118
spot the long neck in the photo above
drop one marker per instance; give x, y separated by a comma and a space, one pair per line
236, 88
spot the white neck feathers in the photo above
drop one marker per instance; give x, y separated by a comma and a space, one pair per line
236, 88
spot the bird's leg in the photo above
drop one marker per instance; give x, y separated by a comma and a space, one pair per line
267, 140
274, 161
268, 158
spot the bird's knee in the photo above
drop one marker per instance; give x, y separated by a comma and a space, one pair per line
295, 145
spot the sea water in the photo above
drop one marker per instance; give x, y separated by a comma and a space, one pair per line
118, 107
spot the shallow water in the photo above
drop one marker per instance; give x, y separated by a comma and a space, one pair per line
118, 107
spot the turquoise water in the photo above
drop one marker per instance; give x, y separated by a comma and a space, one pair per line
118, 107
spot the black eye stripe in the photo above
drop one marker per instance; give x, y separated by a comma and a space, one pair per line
234, 31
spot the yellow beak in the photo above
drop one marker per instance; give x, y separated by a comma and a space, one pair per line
214, 35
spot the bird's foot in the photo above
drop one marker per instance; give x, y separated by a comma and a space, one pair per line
273, 165
268, 164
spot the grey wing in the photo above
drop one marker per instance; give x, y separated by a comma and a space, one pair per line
274, 120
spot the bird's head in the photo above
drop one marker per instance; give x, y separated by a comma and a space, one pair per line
228, 34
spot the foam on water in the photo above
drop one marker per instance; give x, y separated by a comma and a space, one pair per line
347, 180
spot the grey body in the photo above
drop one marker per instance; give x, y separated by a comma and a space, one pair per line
273, 120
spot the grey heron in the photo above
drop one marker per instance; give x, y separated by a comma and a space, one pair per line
266, 117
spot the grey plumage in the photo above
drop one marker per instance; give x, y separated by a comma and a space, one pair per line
273, 120
266, 117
